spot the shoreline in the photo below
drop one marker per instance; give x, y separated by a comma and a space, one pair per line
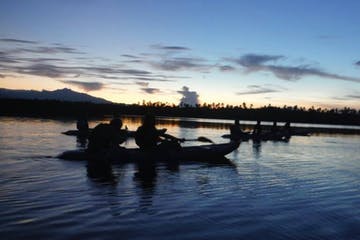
217, 124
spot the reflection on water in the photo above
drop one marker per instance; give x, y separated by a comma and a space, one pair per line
146, 173
307, 188
257, 149
101, 172
81, 141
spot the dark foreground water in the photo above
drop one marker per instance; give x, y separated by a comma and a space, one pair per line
308, 188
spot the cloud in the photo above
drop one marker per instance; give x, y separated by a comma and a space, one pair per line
44, 59
143, 84
253, 60
170, 48
257, 63
115, 70
150, 90
2, 76
47, 50
13, 40
87, 86
353, 96
132, 58
256, 89
326, 37
148, 79
180, 63
6, 58
45, 70
226, 68
357, 63
295, 73
129, 56
188, 97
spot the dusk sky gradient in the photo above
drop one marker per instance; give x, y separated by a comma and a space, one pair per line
304, 53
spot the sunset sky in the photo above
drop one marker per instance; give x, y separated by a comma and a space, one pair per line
260, 52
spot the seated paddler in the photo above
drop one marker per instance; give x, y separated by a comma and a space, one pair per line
106, 136
235, 131
147, 137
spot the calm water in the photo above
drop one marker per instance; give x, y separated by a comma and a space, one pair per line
308, 188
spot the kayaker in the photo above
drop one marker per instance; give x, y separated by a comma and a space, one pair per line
287, 129
83, 126
107, 135
148, 137
257, 129
274, 128
235, 131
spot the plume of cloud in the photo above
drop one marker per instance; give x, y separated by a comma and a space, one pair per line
87, 86
190, 98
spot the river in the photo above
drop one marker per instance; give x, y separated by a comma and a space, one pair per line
307, 188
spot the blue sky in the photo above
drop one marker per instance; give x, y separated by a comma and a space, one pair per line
260, 52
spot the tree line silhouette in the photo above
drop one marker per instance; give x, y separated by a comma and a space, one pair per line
296, 114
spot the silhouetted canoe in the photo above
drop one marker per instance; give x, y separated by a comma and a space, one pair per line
85, 135
204, 153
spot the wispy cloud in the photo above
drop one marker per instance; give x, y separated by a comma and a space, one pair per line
6, 58
150, 90
169, 48
87, 86
180, 63
253, 60
45, 70
142, 84
13, 40
115, 70
258, 63
353, 96
327, 37
129, 56
256, 89
47, 50
226, 68
43, 60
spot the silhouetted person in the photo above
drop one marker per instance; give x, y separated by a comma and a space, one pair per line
274, 128
287, 129
147, 137
235, 131
257, 129
106, 136
82, 126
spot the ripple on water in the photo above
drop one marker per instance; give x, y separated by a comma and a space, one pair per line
305, 189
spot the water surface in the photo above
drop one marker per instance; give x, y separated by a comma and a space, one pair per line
307, 188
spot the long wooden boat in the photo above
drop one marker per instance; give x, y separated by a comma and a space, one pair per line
203, 153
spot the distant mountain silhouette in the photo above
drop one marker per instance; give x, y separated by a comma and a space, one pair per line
65, 94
